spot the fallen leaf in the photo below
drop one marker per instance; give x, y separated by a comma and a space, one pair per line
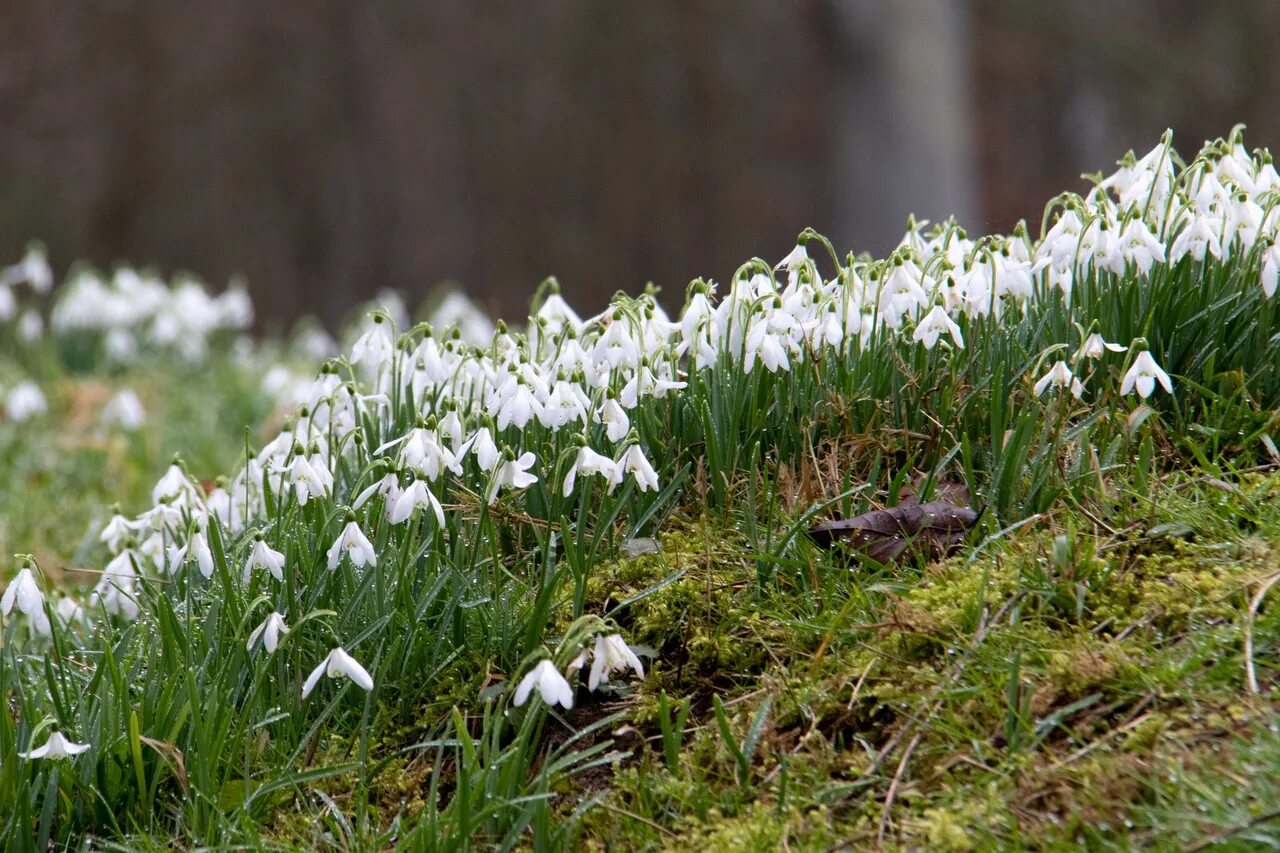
932, 530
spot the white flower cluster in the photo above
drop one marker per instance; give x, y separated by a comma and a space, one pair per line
134, 308
480, 415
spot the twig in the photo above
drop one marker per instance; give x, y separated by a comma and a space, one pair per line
634, 816
893, 787
1228, 831
1250, 674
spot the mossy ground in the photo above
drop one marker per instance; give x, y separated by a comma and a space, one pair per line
1067, 683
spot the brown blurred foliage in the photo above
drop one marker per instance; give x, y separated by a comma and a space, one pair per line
328, 149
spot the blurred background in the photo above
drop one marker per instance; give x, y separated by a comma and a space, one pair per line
329, 149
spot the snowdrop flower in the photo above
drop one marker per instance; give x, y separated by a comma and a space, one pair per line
125, 411
612, 654
25, 402
590, 462
633, 462
388, 487
935, 324
1094, 347
270, 630
30, 326
1143, 376
56, 746
1059, 376
25, 593
308, 479
551, 685
352, 541
69, 610
485, 451
513, 474
117, 532
1270, 269
173, 486
1197, 239
198, 547
615, 420
1140, 247
338, 664
415, 496
117, 590
375, 346
263, 556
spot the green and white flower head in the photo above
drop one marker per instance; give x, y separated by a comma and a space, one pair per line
1143, 376
611, 654
338, 664
550, 684
352, 543
270, 630
24, 593
56, 746
1059, 376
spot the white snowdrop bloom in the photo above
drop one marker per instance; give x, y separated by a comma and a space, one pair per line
117, 532
415, 496
1197, 238
483, 448
307, 480
153, 548
1094, 347
633, 462
1059, 376
1143, 376
352, 542
770, 346
566, 404
24, 592
1270, 269
233, 309
590, 462
1243, 221
270, 631
451, 427
644, 383
338, 664
550, 684
30, 326
518, 407
25, 401
375, 347
557, 313
198, 547
120, 346
612, 654
33, 269
69, 610
263, 556
616, 346
1140, 247
125, 411
56, 746
615, 420
512, 474
388, 487
935, 324
117, 589
8, 303
174, 486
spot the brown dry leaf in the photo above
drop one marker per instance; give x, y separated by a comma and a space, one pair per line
934, 530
